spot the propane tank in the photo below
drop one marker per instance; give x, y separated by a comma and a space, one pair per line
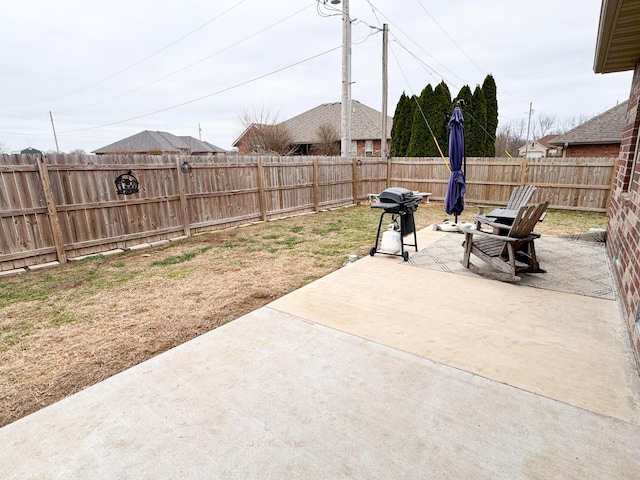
391, 240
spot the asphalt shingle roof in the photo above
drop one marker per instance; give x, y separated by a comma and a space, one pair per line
165, 142
547, 139
366, 123
200, 146
605, 128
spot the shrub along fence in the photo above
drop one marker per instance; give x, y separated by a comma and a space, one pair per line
68, 206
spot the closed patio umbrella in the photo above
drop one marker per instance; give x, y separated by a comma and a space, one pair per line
454, 196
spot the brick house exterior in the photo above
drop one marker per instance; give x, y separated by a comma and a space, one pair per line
304, 137
617, 50
609, 150
598, 137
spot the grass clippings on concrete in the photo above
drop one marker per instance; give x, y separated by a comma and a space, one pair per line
64, 329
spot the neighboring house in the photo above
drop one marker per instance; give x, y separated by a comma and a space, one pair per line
31, 151
598, 137
157, 143
311, 132
540, 148
618, 50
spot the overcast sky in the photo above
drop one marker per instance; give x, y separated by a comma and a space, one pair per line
108, 70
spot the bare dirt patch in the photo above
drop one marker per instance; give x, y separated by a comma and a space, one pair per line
64, 329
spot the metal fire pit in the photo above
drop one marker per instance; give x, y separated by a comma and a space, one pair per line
400, 203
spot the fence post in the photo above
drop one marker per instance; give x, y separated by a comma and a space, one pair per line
54, 222
262, 200
389, 172
316, 193
354, 179
184, 206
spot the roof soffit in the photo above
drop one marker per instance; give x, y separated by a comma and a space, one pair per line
618, 42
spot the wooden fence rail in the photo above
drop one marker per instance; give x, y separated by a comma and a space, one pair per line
67, 206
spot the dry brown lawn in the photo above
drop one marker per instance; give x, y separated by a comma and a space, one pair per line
66, 328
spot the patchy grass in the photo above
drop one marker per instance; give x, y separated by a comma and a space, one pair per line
185, 257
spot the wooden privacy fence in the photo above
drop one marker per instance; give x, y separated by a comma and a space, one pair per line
581, 184
66, 206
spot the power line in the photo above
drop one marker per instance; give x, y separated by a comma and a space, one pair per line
434, 59
460, 48
208, 95
86, 87
414, 42
186, 67
450, 37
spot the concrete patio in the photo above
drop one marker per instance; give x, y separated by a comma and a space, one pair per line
376, 371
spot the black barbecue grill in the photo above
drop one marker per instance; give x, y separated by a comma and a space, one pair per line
400, 203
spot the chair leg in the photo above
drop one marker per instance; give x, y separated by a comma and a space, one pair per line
512, 259
468, 240
534, 260
526, 253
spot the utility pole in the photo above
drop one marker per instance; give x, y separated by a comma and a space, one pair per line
385, 89
54, 132
526, 148
345, 121
199, 132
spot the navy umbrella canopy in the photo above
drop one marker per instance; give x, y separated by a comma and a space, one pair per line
454, 196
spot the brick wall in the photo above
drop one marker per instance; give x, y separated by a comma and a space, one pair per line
377, 146
593, 151
623, 229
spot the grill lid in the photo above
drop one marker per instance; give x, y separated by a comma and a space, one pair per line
398, 195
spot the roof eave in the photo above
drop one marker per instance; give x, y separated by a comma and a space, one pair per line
617, 45
589, 142
605, 29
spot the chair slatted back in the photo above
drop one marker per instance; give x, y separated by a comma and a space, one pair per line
521, 196
526, 220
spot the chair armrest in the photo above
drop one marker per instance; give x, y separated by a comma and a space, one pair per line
473, 231
484, 219
490, 221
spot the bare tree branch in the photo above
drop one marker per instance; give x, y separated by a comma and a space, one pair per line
329, 140
264, 133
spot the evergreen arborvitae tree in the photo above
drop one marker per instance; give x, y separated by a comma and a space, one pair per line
489, 90
475, 125
401, 128
429, 109
438, 117
395, 126
420, 135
